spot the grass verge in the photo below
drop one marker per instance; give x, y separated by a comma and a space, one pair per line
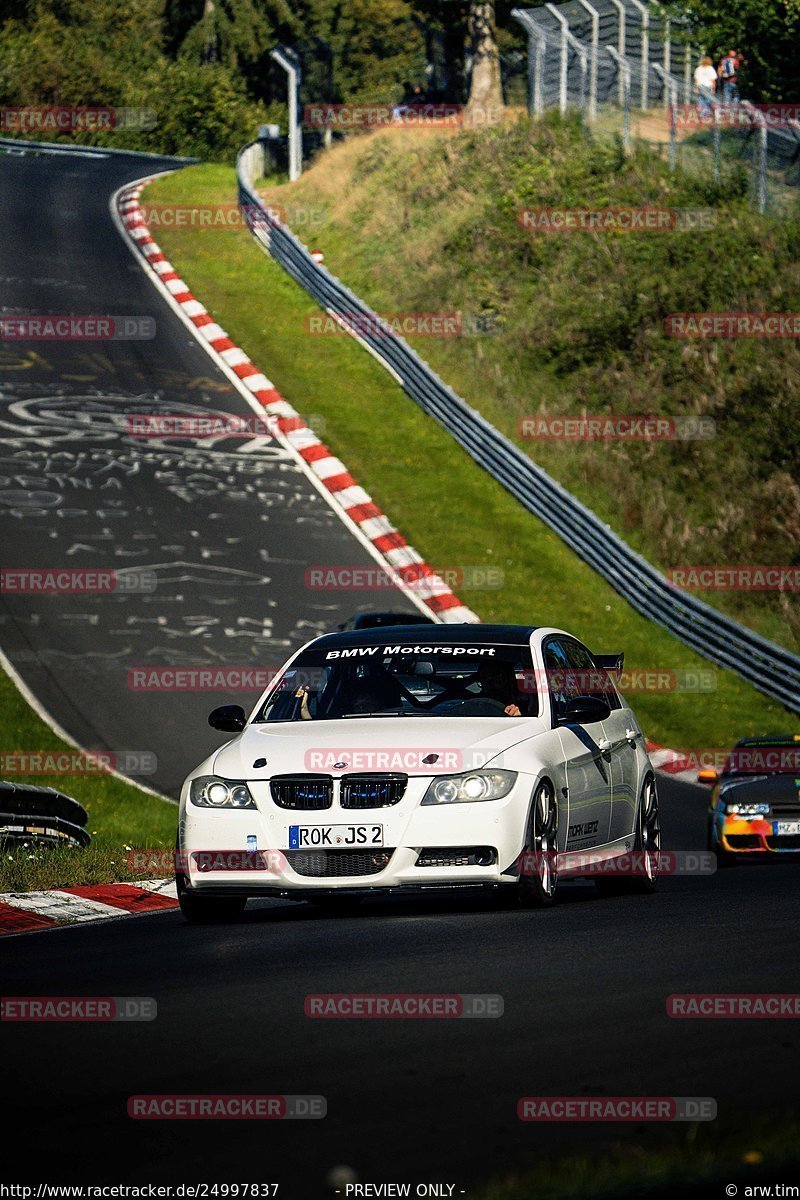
121, 816
450, 510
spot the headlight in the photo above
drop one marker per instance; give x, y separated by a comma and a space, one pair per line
467, 789
747, 810
209, 791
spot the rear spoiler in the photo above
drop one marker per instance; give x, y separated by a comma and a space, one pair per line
611, 663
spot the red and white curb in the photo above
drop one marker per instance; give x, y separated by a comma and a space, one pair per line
675, 763
25, 912
388, 545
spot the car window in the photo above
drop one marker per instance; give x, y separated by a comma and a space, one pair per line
572, 672
594, 680
403, 679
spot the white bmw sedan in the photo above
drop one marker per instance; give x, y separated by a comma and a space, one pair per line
398, 758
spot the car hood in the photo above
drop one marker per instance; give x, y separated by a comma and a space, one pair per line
372, 744
768, 789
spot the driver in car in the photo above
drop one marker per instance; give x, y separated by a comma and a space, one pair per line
497, 682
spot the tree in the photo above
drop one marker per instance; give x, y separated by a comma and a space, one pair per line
767, 32
486, 90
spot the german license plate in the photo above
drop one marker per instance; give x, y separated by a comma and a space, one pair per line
785, 828
334, 837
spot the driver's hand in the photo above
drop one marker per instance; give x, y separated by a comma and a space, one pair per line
302, 695
511, 710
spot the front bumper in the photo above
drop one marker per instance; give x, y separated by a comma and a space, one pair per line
214, 857
757, 837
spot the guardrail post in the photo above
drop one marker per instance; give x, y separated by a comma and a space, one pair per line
671, 91
292, 69
620, 7
645, 15
624, 70
717, 142
761, 165
595, 15
667, 52
569, 37
536, 50
562, 68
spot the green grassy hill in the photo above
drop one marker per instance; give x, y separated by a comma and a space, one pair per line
421, 222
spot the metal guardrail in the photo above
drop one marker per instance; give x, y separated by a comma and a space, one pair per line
769, 667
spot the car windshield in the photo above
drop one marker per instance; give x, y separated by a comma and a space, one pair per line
765, 758
405, 679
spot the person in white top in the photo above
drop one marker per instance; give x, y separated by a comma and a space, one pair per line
705, 80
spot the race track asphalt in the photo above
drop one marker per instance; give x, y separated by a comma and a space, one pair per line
227, 531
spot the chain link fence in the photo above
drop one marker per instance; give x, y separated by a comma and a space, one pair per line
630, 69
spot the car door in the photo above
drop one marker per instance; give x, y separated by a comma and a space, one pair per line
587, 762
623, 732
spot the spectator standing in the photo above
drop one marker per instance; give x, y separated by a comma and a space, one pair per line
728, 73
705, 81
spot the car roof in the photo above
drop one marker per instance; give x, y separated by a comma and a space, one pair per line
434, 635
389, 618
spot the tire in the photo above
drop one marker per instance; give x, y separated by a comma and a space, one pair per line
539, 878
647, 843
209, 910
724, 857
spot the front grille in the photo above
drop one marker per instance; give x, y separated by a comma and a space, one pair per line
787, 812
457, 856
743, 841
372, 791
791, 841
306, 792
338, 863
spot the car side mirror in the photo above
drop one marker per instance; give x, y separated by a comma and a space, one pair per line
230, 718
707, 776
584, 710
